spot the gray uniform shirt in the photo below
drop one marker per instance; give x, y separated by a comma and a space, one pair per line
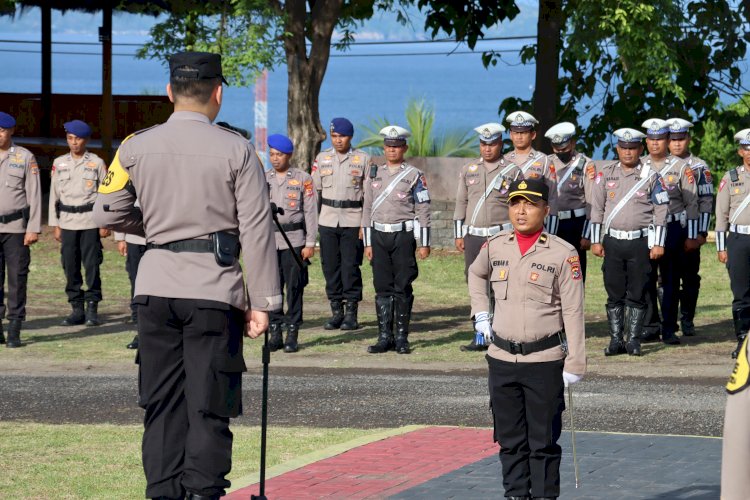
193, 178
536, 165
294, 192
75, 182
680, 182
20, 188
575, 181
340, 180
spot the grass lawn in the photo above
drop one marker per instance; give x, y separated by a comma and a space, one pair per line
104, 461
440, 323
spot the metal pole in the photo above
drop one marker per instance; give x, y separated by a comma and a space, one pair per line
573, 434
261, 118
263, 420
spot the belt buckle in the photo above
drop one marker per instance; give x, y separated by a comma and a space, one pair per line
515, 347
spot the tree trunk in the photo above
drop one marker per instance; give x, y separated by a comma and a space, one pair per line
306, 71
545, 101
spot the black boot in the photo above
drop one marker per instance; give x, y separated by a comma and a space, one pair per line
402, 316
2, 337
615, 317
92, 314
669, 338
195, 496
633, 328
133, 344
337, 308
688, 327
739, 331
77, 317
350, 317
292, 333
14, 333
384, 309
276, 341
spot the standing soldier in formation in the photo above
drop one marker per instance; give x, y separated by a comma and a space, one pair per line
679, 146
396, 213
537, 336
482, 200
338, 174
575, 179
132, 247
628, 227
203, 195
682, 225
533, 164
20, 225
733, 235
75, 180
292, 190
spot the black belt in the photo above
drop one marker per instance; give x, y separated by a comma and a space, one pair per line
18, 214
342, 203
74, 209
197, 246
293, 226
525, 348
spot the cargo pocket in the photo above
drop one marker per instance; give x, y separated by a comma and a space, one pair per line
539, 287
499, 280
15, 178
90, 180
326, 180
225, 397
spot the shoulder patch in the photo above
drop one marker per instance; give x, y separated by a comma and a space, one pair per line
117, 178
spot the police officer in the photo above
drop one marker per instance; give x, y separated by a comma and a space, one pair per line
132, 247
482, 200
75, 179
395, 221
733, 235
533, 164
20, 225
735, 453
338, 174
679, 146
682, 226
291, 190
202, 193
629, 210
575, 179
538, 287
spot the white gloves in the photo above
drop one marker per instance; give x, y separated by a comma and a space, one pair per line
482, 326
570, 378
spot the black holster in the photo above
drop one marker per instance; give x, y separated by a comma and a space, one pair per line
226, 247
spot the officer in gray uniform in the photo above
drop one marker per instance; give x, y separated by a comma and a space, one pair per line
733, 235
628, 228
131, 247
75, 179
679, 146
396, 213
575, 180
292, 190
482, 201
338, 174
203, 194
533, 164
682, 226
20, 225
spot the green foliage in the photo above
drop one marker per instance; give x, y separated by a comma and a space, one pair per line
718, 148
420, 117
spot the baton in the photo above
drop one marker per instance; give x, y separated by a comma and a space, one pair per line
573, 434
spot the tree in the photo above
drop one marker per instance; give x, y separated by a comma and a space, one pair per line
301, 32
718, 148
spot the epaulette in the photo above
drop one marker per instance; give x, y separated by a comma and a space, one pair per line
235, 130
142, 131
733, 175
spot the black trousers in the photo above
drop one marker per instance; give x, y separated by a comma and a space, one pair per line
738, 265
527, 403
626, 271
293, 282
190, 384
472, 245
341, 253
571, 230
394, 265
670, 266
132, 261
691, 284
15, 257
82, 247
652, 319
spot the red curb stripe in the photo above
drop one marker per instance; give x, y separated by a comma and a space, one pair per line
382, 468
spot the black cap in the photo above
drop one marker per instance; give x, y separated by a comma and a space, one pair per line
531, 189
196, 65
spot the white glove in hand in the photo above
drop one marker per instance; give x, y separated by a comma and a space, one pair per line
482, 325
570, 378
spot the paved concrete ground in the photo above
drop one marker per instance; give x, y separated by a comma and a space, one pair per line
450, 462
